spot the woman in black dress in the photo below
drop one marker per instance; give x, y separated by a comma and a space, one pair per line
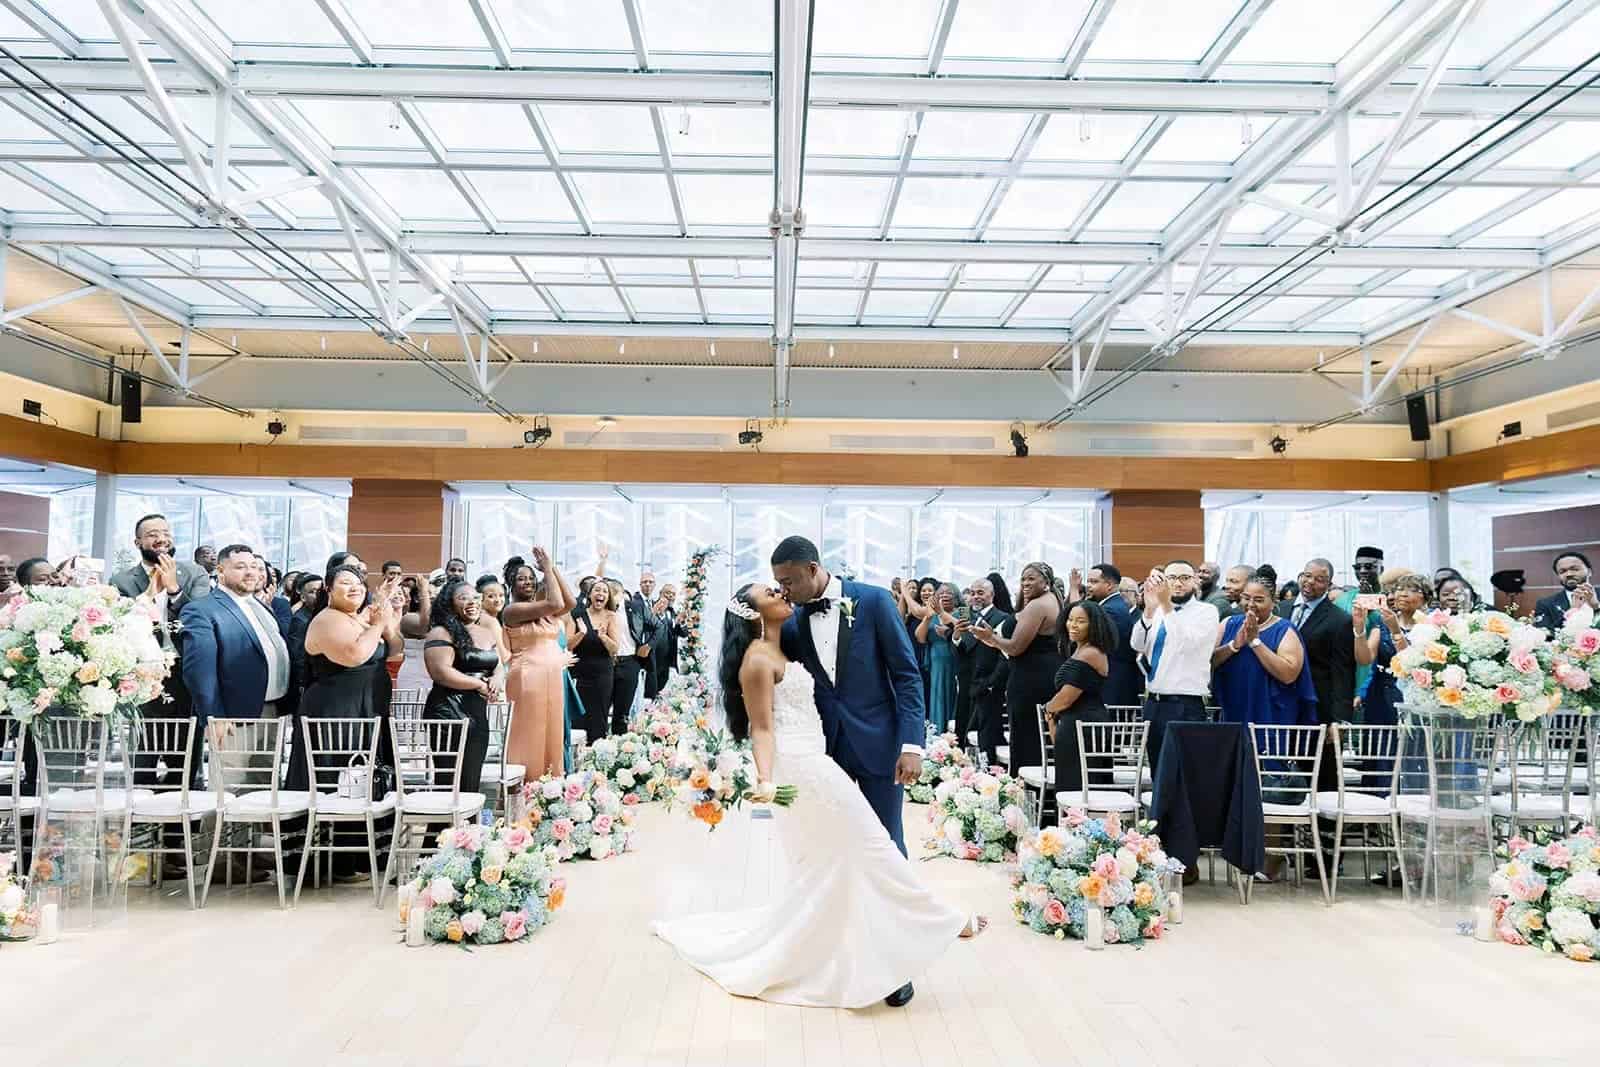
346, 646
593, 637
1034, 661
1088, 637
461, 654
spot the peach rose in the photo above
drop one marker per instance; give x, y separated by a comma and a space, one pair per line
1055, 913
1437, 653
1450, 697
455, 931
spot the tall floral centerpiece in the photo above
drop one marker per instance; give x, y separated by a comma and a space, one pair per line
977, 816
1477, 666
18, 921
695, 582
85, 651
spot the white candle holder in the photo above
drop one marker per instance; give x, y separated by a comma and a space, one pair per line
1094, 929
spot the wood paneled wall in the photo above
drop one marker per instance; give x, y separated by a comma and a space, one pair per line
1530, 542
1150, 528
24, 525
397, 519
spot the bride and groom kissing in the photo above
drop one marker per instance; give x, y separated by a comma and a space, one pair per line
819, 674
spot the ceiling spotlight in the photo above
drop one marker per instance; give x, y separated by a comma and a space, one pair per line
1278, 445
276, 427
1086, 128
394, 115
1246, 134
536, 347
683, 123
540, 432
324, 341
1019, 442
622, 348
425, 345
233, 340
830, 351
751, 434
955, 351
713, 348
605, 420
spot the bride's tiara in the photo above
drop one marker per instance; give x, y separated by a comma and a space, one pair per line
743, 610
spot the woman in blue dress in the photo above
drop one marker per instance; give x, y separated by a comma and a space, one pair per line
933, 632
1259, 669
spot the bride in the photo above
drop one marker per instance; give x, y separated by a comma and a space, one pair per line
851, 922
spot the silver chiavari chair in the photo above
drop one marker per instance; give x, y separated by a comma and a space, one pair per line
341, 759
162, 767
1367, 798
14, 806
1543, 758
1288, 759
246, 755
1038, 782
1110, 754
427, 762
504, 778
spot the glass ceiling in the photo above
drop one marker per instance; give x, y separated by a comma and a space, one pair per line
957, 174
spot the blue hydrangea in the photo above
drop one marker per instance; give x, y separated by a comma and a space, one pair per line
489, 899
538, 913
437, 919
1486, 672
492, 933
1076, 910
1126, 922
1036, 922
582, 834
1062, 883
993, 853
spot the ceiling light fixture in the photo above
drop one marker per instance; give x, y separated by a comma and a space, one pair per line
1246, 134
713, 348
955, 351
425, 341
605, 420
1086, 128
622, 348
683, 123
751, 434
536, 347
830, 351
394, 115
1019, 441
324, 340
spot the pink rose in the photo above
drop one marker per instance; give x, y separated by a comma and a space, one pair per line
515, 924
1105, 866
1107, 897
472, 922
1524, 663
1576, 678
1508, 934
561, 829
80, 631
662, 730
1587, 642
1112, 937
1557, 855
1517, 844
1439, 617
1113, 826
630, 799
1588, 831
1155, 926
602, 824
517, 839
1505, 693
1453, 676
573, 792
128, 686
1055, 913
424, 900
1076, 817
463, 837
1422, 678
1527, 889
93, 614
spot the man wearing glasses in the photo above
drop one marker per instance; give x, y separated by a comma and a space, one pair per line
1176, 634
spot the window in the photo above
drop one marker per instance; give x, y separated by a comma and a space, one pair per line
501, 527
1057, 536
955, 544
869, 542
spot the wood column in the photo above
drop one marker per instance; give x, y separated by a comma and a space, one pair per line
1149, 528
396, 519
24, 526
1530, 542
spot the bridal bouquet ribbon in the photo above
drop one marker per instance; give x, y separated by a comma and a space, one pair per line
580, 815
1477, 666
1546, 893
88, 651
722, 776
977, 816
942, 760
1088, 863
637, 766
485, 885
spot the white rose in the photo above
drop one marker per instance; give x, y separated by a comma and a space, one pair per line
442, 890
582, 811
715, 782
625, 778
1423, 633
600, 846
496, 854
1127, 863
10, 899
953, 831
965, 800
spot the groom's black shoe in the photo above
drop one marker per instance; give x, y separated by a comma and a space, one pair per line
900, 997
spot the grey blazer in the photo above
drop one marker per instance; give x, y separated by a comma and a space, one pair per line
193, 583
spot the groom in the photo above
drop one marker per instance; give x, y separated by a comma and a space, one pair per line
868, 688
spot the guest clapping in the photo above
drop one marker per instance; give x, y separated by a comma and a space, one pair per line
934, 631
594, 637
462, 654
1087, 640
1259, 666
1035, 658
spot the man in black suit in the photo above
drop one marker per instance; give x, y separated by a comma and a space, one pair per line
989, 670
1572, 569
633, 660
1125, 681
1327, 632
664, 653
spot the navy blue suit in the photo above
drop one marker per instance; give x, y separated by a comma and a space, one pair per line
224, 665
1124, 683
875, 705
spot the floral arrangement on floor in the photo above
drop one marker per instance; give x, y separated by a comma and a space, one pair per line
18, 922
1546, 893
87, 650
635, 764
684, 701
694, 604
1093, 863
580, 815
722, 775
1574, 659
1477, 666
942, 760
977, 816
485, 885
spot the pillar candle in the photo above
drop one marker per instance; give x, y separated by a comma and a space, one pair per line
407, 895
1483, 924
49, 923
1175, 907
1094, 930
414, 935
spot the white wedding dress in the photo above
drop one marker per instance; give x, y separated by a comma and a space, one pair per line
850, 922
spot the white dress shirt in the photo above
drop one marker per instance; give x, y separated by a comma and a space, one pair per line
1184, 666
825, 636
272, 646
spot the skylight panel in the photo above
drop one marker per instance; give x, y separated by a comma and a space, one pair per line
566, 25
1002, 272
480, 126
1366, 134
417, 23
1445, 135
719, 131
358, 123
600, 128
19, 196
587, 299
734, 268
278, 22
303, 203
1162, 29
730, 26
1042, 205
1548, 216
726, 199
1145, 205
651, 300
914, 268
941, 203
1501, 23
895, 303
741, 302
1568, 49
81, 18
652, 267
195, 294
1281, 311
1565, 146
843, 131
1015, 29
844, 201
1089, 138
511, 298
826, 303
126, 121
613, 197
522, 195
1308, 33
1209, 138
887, 28
1455, 210
272, 294
417, 195
832, 268
100, 188
975, 305
969, 135
1436, 277
1367, 311
1050, 307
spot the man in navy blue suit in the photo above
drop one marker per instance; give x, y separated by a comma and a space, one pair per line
1124, 683
868, 687
235, 659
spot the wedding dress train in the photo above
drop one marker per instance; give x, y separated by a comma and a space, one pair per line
851, 921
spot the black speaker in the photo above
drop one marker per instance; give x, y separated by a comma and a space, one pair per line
1417, 413
132, 399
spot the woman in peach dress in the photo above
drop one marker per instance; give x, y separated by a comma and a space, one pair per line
534, 682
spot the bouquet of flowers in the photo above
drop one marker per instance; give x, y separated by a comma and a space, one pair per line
636, 765
977, 816
1476, 666
1546, 893
1093, 863
87, 650
1574, 657
694, 604
578, 815
18, 922
942, 760
485, 885
684, 701
722, 775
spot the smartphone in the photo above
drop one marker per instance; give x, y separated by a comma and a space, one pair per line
87, 571
963, 613
1370, 601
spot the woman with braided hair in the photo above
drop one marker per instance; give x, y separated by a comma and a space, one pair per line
1035, 658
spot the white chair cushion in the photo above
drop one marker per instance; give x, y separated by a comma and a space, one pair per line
512, 774
170, 804
77, 801
332, 804
1531, 806
1354, 804
1286, 811
438, 803
9, 803
972, 737
1581, 809
1417, 806
1148, 798
1032, 776
259, 804
1098, 800
1123, 776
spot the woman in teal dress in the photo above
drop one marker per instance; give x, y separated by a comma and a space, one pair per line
574, 706
934, 633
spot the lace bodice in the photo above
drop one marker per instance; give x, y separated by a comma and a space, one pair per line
794, 711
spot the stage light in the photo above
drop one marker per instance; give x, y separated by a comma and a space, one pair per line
540, 432
751, 434
1278, 445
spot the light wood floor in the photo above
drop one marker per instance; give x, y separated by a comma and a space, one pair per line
1283, 981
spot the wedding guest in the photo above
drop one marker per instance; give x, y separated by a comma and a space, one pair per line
535, 672
1000, 597
462, 654
1366, 566
1325, 631
36, 571
1380, 634
8, 575
414, 622
1288, 592
493, 595
205, 557
1207, 575
455, 569
1087, 639
1457, 596
1035, 658
644, 629
990, 669
235, 659
307, 591
594, 636
169, 585
391, 569
1176, 632
637, 630
919, 594
1233, 589
934, 631
1124, 683
1132, 594
1259, 667
1269, 575
671, 630
1572, 570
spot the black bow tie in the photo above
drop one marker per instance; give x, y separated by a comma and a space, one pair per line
820, 606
